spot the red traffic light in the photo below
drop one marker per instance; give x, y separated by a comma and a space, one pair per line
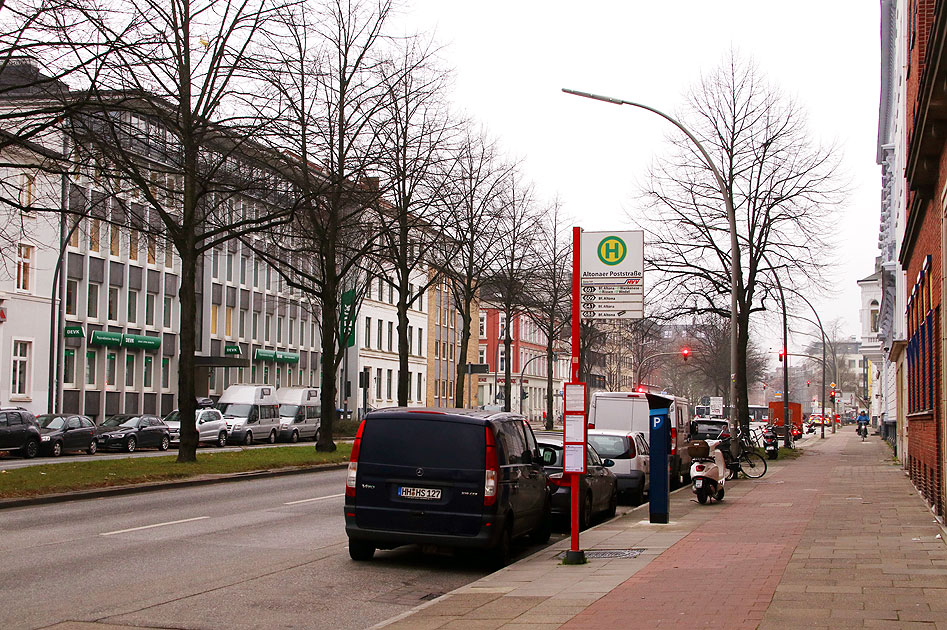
807, 383
685, 353
782, 353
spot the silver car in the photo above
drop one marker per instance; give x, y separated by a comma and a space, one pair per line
211, 426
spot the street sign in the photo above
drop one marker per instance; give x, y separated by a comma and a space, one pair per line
478, 368
611, 282
716, 405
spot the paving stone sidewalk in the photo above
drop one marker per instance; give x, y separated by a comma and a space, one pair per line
836, 538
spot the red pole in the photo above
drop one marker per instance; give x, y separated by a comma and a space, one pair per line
576, 241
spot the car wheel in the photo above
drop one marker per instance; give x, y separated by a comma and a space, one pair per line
57, 449
360, 550
31, 449
612, 504
93, 447
130, 445
294, 437
222, 439
501, 554
165, 443
585, 516
272, 438
248, 440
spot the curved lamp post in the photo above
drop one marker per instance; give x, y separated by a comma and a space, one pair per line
734, 244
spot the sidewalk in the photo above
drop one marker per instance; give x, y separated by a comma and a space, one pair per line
837, 538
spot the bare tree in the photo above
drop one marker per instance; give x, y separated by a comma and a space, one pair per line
474, 196
783, 187
549, 297
156, 128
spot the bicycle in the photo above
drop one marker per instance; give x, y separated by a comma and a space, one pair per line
748, 461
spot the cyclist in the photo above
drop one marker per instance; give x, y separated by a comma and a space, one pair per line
862, 421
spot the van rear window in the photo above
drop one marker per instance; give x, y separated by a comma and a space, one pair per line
425, 443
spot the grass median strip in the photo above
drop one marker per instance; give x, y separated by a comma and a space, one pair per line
91, 473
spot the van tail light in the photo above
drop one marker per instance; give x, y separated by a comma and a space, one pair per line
631, 446
492, 475
559, 480
673, 440
353, 463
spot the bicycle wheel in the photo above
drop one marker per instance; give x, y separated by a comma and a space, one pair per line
752, 465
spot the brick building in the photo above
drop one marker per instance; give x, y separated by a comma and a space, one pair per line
921, 253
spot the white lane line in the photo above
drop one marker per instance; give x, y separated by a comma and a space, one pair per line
135, 529
331, 496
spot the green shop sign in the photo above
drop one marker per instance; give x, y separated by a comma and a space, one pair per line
264, 355
141, 341
232, 349
73, 331
105, 338
287, 357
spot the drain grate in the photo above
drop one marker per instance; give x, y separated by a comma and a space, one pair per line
608, 553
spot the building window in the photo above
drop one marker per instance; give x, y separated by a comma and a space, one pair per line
483, 325
378, 338
165, 373
390, 335
113, 304
72, 297
279, 330
133, 245
256, 326
292, 331
20, 385
482, 355
874, 316
388, 387
148, 380
168, 254
229, 267
267, 323
90, 367
132, 307
115, 239
302, 339
419, 399
368, 332
129, 370
110, 369
242, 326
228, 322
378, 381
95, 226
74, 234
149, 309
215, 265
410, 339
92, 301
167, 311
437, 350
152, 250
69, 367
243, 270
420, 342
213, 318
24, 262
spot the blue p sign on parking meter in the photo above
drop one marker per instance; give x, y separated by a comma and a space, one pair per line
660, 445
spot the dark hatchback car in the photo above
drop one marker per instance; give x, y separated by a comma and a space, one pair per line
19, 432
128, 432
62, 432
598, 492
455, 478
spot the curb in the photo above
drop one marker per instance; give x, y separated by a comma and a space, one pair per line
163, 485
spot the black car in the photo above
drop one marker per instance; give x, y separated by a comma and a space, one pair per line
19, 431
128, 432
61, 432
598, 491
460, 478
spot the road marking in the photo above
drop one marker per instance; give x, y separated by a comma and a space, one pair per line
135, 529
331, 496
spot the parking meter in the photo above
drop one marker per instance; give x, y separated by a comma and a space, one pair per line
659, 496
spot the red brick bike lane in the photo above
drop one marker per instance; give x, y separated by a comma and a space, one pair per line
725, 572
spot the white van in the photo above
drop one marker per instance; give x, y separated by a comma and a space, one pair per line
631, 411
251, 412
300, 413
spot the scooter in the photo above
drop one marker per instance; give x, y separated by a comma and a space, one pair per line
771, 443
708, 472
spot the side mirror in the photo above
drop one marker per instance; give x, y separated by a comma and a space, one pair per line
607, 463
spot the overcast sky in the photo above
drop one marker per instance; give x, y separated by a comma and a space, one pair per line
512, 58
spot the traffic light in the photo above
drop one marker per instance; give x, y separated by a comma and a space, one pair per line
832, 396
685, 353
524, 395
764, 387
782, 353
807, 383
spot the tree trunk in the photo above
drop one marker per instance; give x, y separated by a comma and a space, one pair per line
330, 317
403, 349
187, 400
459, 400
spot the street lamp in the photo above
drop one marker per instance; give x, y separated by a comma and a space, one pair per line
734, 245
784, 355
824, 340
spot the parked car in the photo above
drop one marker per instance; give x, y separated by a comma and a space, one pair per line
19, 431
210, 423
461, 478
598, 492
632, 459
300, 413
708, 428
62, 432
252, 413
129, 432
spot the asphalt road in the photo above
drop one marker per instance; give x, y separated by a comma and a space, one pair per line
267, 553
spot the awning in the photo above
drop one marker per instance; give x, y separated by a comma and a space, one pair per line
105, 338
287, 357
141, 341
264, 355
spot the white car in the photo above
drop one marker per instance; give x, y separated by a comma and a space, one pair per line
211, 426
629, 451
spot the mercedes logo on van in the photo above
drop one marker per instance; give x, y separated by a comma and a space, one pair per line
419, 472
